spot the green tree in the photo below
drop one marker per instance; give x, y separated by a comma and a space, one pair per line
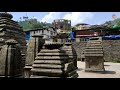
33, 24
114, 24
108, 22
117, 21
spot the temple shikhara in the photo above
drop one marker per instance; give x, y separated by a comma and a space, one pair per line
10, 29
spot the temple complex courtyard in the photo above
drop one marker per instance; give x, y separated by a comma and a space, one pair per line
112, 70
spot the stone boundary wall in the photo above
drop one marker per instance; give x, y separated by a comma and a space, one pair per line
111, 49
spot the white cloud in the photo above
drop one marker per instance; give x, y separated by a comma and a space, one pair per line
79, 17
75, 17
51, 16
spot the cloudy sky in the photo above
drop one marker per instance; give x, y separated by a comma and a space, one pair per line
75, 17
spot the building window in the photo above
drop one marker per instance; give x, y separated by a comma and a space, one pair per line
61, 26
68, 22
51, 33
34, 32
61, 20
42, 31
39, 31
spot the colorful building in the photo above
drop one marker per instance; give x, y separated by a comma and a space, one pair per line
95, 30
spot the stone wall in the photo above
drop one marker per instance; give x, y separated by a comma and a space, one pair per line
111, 49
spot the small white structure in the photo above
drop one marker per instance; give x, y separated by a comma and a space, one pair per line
82, 26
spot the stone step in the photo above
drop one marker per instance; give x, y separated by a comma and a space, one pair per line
51, 54
55, 54
28, 67
49, 51
42, 70
51, 58
8, 23
49, 61
7, 20
52, 66
96, 45
96, 55
67, 49
94, 42
36, 76
10, 26
92, 47
99, 49
93, 52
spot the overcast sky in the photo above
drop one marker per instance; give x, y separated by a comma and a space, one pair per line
75, 17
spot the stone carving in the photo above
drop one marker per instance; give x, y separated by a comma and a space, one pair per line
10, 59
94, 56
52, 61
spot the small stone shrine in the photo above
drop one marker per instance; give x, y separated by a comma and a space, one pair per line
34, 46
71, 53
51, 62
94, 56
11, 59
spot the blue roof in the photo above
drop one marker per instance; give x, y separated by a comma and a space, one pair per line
112, 36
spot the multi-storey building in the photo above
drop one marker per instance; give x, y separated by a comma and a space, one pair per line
47, 33
62, 24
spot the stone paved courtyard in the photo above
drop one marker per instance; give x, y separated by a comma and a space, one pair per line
112, 70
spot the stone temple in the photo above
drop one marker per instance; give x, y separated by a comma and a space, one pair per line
11, 59
10, 29
68, 47
53, 62
94, 60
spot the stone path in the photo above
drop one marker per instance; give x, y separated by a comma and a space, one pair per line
112, 70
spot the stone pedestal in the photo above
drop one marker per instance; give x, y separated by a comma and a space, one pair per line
10, 60
52, 61
94, 56
34, 46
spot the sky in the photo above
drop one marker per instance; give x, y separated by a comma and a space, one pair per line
91, 18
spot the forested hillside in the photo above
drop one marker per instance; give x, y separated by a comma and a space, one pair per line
33, 24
